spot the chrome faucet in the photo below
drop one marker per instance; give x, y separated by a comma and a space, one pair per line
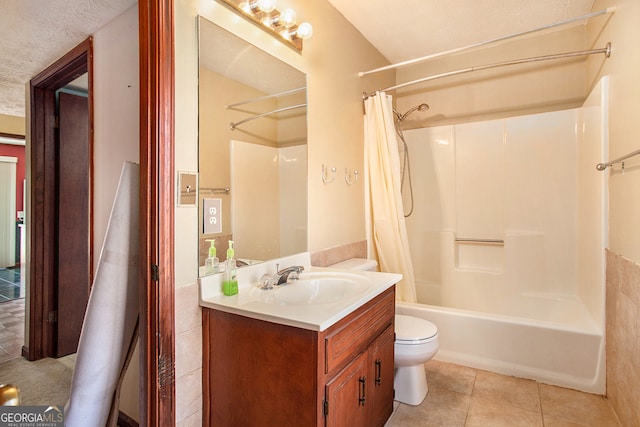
289, 273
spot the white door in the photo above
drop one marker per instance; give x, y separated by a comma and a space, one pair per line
7, 211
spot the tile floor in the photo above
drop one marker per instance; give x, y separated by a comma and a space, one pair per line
11, 329
10, 286
467, 397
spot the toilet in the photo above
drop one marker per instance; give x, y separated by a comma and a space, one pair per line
416, 342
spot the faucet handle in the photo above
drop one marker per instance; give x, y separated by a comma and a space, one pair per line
293, 276
266, 282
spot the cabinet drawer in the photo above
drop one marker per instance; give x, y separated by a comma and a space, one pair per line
354, 335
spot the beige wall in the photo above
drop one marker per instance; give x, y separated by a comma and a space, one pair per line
331, 59
116, 140
12, 124
116, 113
623, 260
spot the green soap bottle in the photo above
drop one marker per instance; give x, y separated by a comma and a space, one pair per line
230, 282
212, 264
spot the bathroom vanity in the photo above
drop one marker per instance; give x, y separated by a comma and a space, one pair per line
277, 367
263, 373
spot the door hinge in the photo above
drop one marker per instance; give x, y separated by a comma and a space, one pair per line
56, 122
155, 275
53, 316
325, 410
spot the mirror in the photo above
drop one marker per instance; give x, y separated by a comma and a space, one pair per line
252, 154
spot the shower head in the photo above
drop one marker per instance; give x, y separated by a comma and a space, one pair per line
401, 117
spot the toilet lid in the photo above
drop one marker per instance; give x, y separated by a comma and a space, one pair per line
413, 329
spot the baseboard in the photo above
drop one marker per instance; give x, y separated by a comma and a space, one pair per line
126, 421
25, 352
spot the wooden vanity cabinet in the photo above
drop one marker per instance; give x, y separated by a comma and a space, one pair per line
258, 373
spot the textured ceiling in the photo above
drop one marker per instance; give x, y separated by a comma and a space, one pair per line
35, 33
409, 29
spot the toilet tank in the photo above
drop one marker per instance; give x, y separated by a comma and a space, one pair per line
357, 264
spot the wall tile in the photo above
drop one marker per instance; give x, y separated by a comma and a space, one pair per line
188, 351
612, 268
194, 420
188, 311
336, 254
629, 279
623, 337
189, 395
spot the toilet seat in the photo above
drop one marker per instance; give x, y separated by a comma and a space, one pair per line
412, 330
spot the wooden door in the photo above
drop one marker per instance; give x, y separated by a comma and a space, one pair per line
347, 401
73, 234
381, 373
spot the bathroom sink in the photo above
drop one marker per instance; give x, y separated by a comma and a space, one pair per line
321, 288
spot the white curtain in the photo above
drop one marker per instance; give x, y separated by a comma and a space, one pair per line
7, 211
386, 228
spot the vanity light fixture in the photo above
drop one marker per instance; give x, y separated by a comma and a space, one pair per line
282, 25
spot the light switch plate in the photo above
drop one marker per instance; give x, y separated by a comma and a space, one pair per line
187, 188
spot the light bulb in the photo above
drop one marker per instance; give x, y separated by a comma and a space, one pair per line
267, 6
304, 31
246, 7
285, 34
288, 18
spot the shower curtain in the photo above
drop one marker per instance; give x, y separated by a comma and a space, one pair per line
386, 228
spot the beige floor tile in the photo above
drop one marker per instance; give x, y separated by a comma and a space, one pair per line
450, 377
555, 422
571, 405
490, 413
441, 407
408, 419
499, 400
509, 390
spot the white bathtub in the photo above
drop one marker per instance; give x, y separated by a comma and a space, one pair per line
557, 345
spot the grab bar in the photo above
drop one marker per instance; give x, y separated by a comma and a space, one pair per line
480, 241
604, 166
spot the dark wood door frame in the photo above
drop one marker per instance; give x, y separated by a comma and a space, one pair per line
157, 277
42, 213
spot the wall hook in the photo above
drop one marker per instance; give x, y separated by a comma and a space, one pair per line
325, 174
348, 177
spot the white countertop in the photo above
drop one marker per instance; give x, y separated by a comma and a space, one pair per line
250, 301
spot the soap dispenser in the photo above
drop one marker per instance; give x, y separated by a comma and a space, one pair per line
212, 264
230, 282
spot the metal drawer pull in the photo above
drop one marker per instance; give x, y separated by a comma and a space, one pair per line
363, 385
378, 372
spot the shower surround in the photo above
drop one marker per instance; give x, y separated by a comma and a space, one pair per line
508, 242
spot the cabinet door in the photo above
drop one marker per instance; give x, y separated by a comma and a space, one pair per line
347, 402
380, 373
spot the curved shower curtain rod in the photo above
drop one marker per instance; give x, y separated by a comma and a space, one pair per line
486, 42
234, 125
605, 50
